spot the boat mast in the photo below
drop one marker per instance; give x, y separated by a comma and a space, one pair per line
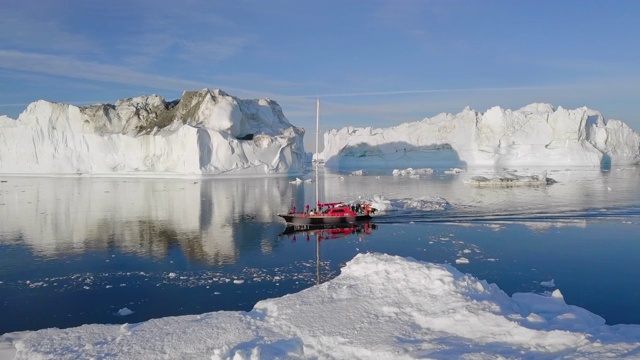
317, 139
317, 187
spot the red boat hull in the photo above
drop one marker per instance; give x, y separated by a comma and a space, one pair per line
307, 219
330, 214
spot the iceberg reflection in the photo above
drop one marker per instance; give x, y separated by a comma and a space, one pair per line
212, 220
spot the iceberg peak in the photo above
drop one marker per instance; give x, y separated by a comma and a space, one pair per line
535, 135
541, 108
203, 132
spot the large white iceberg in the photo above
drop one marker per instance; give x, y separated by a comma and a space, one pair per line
204, 132
535, 135
380, 307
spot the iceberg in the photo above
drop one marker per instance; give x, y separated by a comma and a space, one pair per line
379, 307
205, 132
535, 135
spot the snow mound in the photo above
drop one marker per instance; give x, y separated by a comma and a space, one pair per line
535, 135
380, 306
204, 132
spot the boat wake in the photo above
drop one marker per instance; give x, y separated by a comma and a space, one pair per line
402, 211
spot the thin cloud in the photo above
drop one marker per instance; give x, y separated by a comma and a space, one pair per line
427, 91
72, 68
69, 67
582, 65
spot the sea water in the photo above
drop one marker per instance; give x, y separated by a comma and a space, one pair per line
115, 250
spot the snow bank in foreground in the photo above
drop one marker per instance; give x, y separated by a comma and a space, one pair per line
379, 307
535, 135
204, 132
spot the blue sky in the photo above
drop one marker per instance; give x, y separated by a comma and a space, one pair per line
372, 63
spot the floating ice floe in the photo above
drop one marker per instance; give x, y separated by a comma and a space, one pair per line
549, 283
454, 171
510, 179
300, 181
411, 171
125, 311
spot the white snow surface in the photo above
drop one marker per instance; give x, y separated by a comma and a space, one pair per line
379, 307
204, 132
535, 135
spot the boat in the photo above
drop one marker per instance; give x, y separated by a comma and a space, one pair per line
328, 213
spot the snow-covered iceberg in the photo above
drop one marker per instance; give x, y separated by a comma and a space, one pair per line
379, 307
535, 135
204, 132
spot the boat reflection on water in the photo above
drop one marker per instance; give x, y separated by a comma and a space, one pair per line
322, 233
329, 232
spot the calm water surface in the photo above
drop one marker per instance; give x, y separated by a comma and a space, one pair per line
78, 250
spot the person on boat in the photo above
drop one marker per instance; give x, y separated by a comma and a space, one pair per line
369, 210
